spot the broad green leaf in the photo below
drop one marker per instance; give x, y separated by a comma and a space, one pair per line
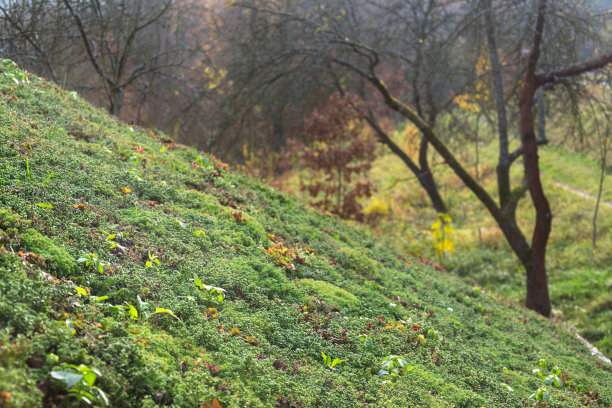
43, 205
133, 312
70, 326
162, 310
198, 282
142, 304
103, 396
82, 291
69, 378
336, 361
90, 378
403, 363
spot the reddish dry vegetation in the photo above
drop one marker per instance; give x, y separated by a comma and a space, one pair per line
341, 154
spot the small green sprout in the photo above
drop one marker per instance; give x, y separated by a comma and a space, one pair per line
217, 294
110, 237
143, 311
92, 261
152, 259
136, 174
85, 293
52, 358
366, 340
392, 367
329, 362
541, 394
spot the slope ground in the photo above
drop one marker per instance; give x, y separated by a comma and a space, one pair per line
154, 223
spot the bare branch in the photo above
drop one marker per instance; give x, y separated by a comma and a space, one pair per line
592, 64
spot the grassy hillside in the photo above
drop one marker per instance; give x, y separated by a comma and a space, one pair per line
139, 270
580, 278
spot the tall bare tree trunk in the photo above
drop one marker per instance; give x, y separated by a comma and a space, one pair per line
538, 298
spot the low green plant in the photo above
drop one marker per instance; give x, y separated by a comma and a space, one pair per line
70, 326
554, 378
18, 76
541, 394
366, 340
136, 173
392, 367
110, 237
216, 294
143, 313
204, 163
329, 362
92, 260
551, 377
85, 293
153, 259
80, 382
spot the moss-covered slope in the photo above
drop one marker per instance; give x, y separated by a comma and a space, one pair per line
102, 225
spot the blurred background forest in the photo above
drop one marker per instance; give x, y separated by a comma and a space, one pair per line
447, 126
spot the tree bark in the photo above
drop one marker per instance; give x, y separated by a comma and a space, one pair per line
504, 163
538, 298
427, 181
116, 101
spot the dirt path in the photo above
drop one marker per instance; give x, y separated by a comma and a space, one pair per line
581, 193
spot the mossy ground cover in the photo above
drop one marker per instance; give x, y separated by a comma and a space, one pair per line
102, 225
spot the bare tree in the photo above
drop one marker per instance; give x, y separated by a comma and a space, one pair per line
122, 49
365, 60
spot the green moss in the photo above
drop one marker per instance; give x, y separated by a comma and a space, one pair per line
56, 258
266, 344
356, 260
17, 388
331, 293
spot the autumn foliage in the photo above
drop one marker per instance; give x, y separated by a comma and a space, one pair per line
341, 154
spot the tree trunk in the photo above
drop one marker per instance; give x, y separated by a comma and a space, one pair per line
116, 101
602, 177
277, 130
538, 298
537, 282
427, 181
